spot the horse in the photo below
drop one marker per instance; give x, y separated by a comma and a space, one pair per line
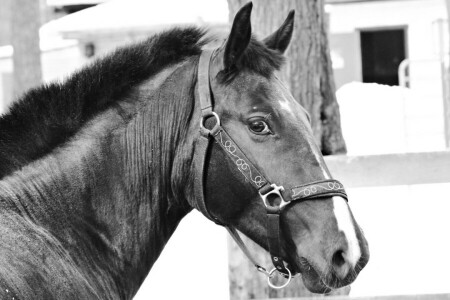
97, 171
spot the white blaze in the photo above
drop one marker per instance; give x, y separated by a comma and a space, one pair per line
345, 224
286, 106
340, 207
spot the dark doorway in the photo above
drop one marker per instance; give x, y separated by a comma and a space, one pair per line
382, 51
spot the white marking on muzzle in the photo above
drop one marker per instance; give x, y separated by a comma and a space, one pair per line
345, 224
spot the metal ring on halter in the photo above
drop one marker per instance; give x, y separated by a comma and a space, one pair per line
278, 286
216, 126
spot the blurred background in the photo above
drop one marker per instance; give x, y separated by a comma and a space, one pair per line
384, 101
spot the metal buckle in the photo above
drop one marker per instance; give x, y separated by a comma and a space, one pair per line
202, 123
277, 191
278, 287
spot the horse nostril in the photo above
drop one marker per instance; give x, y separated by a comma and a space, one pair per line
338, 259
340, 264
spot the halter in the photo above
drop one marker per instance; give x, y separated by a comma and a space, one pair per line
274, 197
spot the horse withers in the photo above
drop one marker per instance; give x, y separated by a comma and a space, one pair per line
98, 171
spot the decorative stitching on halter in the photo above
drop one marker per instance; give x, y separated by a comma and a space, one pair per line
317, 189
241, 164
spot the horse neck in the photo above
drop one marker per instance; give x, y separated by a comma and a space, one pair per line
115, 194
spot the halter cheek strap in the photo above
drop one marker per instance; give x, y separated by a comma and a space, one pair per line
202, 143
274, 197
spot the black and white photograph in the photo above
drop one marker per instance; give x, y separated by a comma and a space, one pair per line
224, 149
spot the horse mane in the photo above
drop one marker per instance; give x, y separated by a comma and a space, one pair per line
47, 116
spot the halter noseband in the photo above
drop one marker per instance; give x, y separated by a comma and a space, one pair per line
314, 190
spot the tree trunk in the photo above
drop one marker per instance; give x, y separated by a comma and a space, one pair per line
25, 25
308, 74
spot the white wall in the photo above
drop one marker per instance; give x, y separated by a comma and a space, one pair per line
418, 16
379, 119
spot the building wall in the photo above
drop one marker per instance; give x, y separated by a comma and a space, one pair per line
346, 57
380, 119
346, 20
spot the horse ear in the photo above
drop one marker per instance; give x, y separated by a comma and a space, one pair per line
240, 35
280, 39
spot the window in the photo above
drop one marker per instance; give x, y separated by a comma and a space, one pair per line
382, 51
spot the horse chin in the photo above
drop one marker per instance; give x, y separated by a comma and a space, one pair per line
317, 287
311, 279
320, 283
316, 282
324, 283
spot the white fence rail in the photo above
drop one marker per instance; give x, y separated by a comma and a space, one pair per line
391, 169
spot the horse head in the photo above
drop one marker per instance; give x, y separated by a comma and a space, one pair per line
271, 133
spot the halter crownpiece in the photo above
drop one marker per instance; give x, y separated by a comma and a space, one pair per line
310, 191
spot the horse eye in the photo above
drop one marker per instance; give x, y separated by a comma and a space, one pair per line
259, 127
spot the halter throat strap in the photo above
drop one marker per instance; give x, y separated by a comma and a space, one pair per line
274, 197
